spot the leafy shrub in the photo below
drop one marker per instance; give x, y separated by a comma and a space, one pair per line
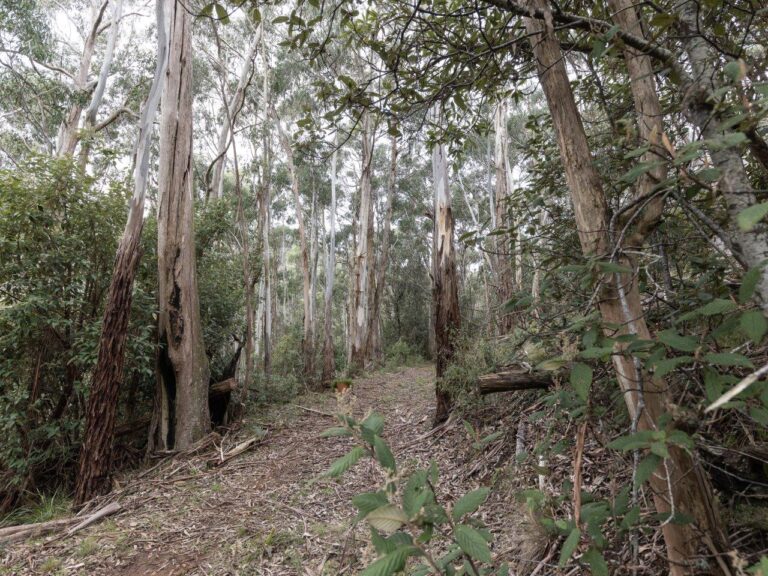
401, 354
405, 518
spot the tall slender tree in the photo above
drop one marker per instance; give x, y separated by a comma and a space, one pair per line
445, 282
95, 462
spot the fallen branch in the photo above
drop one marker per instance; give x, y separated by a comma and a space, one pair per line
236, 451
738, 389
314, 411
24, 531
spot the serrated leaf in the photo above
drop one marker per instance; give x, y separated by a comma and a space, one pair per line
596, 562
383, 454
374, 423
581, 380
345, 462
750, 217
717, 306
634, 441
470, 502
754, 325
472, 543
678, 342
390, 563
387, 518
728, 359
415, 493
367, 502
749, 282
569, 546
664, 367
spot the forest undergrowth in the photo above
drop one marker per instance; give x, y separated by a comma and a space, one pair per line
267, 510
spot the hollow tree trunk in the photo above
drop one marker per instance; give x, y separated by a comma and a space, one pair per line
620, 305
445, 293
363, 256
95, 462
329, 358
181, 410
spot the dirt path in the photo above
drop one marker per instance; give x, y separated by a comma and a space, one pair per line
265, 512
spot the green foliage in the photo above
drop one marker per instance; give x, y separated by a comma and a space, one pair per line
58, 234
401, 354
404, 516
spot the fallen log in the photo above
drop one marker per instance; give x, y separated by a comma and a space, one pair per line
222, 387
513, 380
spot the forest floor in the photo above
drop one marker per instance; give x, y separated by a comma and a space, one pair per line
266, 512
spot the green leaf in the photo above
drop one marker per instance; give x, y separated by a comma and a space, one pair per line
646, 467
390, 563
596, 562
387, 518
634, 441
759, 415
754, 325
581, 380
728, 359
596, 352
472, 543
367, 502
470, 502
569, 546
749, 282
345, 462
717, 306
613, 267
664, 367
750, 217
415, 486
336, 431
221, 13
374, 423
384, 454
674, 340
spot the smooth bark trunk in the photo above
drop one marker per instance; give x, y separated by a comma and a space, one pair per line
231, 111
363, 265
329, 357
308, 337
375, 345
504, 271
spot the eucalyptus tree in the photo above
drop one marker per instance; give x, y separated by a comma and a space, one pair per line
181, 414
95, 465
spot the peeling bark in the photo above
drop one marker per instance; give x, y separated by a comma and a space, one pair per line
95, 462
681, 483
445, 294
181, 411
